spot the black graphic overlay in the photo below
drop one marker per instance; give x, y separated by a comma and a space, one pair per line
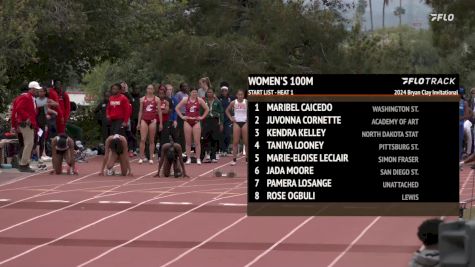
353, 145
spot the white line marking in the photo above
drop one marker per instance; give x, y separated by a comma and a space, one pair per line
53, 201
354, 242
145, 233
278, 242
28, 176
112, 215
233, 204
4, 200
114, 202
204, 242
58, 210
176, 203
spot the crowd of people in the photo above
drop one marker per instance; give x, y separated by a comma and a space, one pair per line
38, 115
203, 120
193, 125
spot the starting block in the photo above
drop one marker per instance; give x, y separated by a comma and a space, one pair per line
219, 173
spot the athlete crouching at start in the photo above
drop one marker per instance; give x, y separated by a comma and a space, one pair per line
63, 150
170, 156
116, 150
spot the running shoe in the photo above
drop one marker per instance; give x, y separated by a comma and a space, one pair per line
140, 161
217, 156
150, 161
234, 162
207, 157
188, 161
45, 158
198, 161
214, 160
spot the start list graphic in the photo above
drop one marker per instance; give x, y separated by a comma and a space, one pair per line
353, 145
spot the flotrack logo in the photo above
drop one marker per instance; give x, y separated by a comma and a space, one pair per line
442, 17
428, 81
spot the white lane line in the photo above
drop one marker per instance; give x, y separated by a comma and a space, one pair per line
278, 242
466, 181
58, 210
175, 203
114, 202
233, 204
53, 201
4, 200
31, 175
354, 242
204, 242
146, 232
105, 218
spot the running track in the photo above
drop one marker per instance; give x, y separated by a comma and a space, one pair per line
88, 220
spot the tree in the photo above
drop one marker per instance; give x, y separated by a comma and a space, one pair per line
17, 44
385, 3
371, 13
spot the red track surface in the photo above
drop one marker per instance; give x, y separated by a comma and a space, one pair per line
88, 220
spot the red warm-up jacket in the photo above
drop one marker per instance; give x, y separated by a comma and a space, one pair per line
119, 108
24, 109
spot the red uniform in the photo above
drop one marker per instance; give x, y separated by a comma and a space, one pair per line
192, 110
163, 106
24, 108
118, 108
63, 109
149, 110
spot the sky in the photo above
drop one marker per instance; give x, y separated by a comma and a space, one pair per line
417, 13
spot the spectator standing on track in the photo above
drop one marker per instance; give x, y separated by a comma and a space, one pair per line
134, 118
118, 110
212, 125
25, 123
101, 116
173, 102
192, 125
165, 104
149, 108
63, 150
184, 89
225, 99
239, 106
428, 233
116, 149
128, 130
44, 114
58, 95
204, 84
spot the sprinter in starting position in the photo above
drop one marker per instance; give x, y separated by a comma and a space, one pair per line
63, 149
170, 157
116, 149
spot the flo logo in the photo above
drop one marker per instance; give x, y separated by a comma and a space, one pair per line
442, 17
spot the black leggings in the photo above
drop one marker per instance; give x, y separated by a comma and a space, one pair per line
116, 127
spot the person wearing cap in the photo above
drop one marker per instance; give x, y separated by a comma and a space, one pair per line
63, 150
116, 150
24, 122
225, 99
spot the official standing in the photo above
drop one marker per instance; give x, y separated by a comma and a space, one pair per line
25, 123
